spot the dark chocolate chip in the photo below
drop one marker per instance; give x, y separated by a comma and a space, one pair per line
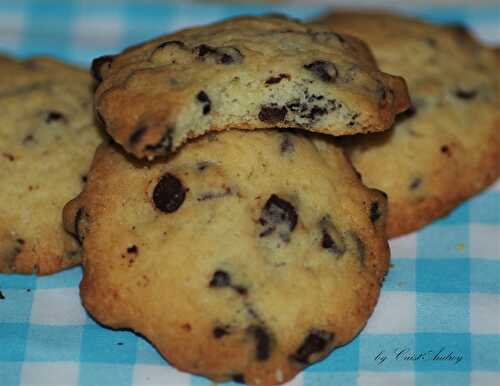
263, 342
137, 135
133, 249
164, 144
219, 332
97, 66
238, 378
286, 145
205, 100
317, 341
415, 183
220, 279
277, 79
323, 69
203, 50
316, 111
169, 193
54, 116
84, 179
1, 296
465, 94
221, 55
445, 149
359, 246
272, 113
375, 211
278, 213
331, 239
241, 290
80, 213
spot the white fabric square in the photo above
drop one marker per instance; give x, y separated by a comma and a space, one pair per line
107, 32
485, 241
49, 374
395, 314
159, 375
484, 378
404, 247
484, 314
371, 378
58, 306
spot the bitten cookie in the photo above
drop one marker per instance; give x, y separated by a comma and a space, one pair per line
446, 148
47, 140
245, 256
248, 73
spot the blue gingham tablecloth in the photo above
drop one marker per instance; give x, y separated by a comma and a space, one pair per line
438, 319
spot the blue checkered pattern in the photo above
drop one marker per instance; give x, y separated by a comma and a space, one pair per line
438, 319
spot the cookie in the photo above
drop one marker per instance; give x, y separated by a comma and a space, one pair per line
445, 148
47, 139
245, 256
247, 73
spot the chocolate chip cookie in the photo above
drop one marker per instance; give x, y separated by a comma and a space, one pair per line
246, 256
47, 139
247, 73
446, 147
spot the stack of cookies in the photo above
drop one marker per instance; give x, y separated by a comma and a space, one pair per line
221, 219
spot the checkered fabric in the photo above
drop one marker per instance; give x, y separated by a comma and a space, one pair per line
438, 319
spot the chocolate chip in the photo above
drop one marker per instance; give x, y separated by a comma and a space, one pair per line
133, 249
219, 332
286, 145
9, 156
54, 116
331, 238
205, 100
316, 111
415, 183
84, 179
277, 79
323, 69
272, 113
220, 279
202, 165
263, 342
445, 149
1, 296
278, 214
169, 193
317, 341
80, 213
465, 94
375, 211
359, 247
96, 68
137, 135
164, 144
220, 55
238, 378
241, 290
408, 113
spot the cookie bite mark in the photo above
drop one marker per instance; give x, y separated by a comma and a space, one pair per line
278, 215
99, 65
323, 69
276, 79
316, 342
169, 193
263, 342
272, 113
203, 98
